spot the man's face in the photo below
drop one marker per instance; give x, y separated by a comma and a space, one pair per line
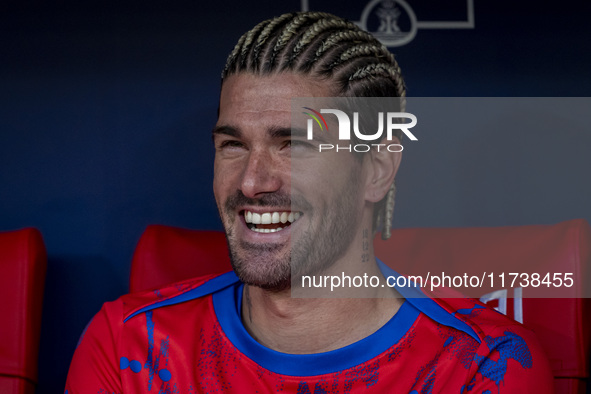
284, 206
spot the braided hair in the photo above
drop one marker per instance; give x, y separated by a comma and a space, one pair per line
326, 46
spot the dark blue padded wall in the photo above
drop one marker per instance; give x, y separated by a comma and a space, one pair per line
107, 109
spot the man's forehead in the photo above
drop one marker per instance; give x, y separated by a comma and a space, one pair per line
269, 92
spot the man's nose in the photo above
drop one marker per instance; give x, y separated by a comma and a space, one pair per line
261, 175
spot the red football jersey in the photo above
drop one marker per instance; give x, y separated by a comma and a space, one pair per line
189, 338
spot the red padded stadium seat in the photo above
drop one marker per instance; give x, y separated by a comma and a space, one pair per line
167, 254
563, 325
23, 262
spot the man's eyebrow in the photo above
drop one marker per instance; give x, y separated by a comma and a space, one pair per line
226, 130
275, 132
281, 132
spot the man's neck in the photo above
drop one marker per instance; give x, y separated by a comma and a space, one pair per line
314, 325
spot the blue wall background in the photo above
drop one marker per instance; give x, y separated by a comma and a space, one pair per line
106, 111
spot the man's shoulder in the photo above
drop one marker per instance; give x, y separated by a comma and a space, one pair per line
129, 305
483, 319
479, 321
508, 352
466, 315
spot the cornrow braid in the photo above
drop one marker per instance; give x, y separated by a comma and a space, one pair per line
292, 28
340, 36
322, 45
389, 211
232, 57
250, 37
361, 51
266, 32
374, 69
317, 28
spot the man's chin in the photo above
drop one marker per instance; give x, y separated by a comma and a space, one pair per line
275, 285
264, 266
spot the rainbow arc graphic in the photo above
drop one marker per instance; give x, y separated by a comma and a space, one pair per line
315, 115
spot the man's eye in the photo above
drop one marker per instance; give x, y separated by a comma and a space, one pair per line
231, 144
298, 143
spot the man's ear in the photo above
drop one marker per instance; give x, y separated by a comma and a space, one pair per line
382, 168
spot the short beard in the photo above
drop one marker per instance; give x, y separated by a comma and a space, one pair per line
315, 250
312, 250
261, 265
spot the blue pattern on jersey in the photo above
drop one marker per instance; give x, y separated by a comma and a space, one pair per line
153, 363
470, 312
509, 346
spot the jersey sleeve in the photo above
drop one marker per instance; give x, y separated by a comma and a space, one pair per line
510, 360
95, 365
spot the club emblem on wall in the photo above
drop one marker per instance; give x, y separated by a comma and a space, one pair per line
395, 23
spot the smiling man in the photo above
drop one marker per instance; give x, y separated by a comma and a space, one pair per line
291, 211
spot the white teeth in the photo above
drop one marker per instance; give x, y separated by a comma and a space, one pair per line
266, 218
270, 217
266, 230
